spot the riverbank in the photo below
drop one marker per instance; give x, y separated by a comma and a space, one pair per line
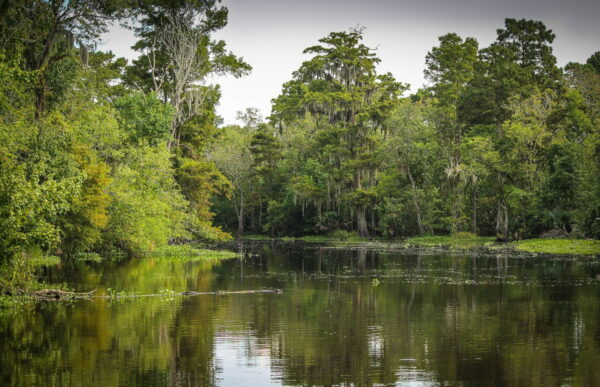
462, 241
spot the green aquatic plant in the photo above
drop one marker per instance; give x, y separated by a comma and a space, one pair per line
189, 252
167, 294
89, 257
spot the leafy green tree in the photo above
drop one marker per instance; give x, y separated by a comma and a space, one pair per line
200, 181
339, 87
147, 210
410, 157
232, 156
15, 90
45, 33
586, 82
594, 62
518, 65
39, 181
530, 42
82, 225
450, 67
179, 54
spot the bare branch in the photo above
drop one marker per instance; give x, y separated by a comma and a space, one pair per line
187, 63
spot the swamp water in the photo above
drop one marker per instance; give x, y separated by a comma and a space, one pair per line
347, 316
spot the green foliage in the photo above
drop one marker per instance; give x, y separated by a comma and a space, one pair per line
39, 181
15, 88
392, 215
199, 180
594, 62
61, 80
144, 118
82, 224
233, 156
278, 219
44, 34
87, 164
339, 89
178, 55
147, 209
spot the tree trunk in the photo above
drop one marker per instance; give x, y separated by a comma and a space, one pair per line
361, 222
502, 214
38, 62
240, 232
373, 223
474, 200
40, 100
415, 201
260, 215
502, 221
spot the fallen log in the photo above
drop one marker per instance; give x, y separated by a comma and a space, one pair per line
57, 295
226, 292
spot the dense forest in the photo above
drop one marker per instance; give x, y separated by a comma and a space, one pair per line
98, 154
501, 142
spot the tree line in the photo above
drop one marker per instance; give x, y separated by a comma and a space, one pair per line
501, 142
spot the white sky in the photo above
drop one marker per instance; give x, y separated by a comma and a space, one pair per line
271, 34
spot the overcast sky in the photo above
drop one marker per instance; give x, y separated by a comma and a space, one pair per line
271, 34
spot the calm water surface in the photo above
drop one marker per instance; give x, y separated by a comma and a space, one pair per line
350, 316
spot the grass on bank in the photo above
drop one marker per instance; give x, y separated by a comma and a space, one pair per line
559, 246
463, 240
459, 240
535, 245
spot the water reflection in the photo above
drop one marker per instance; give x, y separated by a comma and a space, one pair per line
429, 319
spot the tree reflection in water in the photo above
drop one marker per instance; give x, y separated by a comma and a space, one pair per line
432, 318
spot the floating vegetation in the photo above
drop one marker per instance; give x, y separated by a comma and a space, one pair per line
190, 252
89, 257
257, 237
461, 240
44, 260
167, 294
112, 293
